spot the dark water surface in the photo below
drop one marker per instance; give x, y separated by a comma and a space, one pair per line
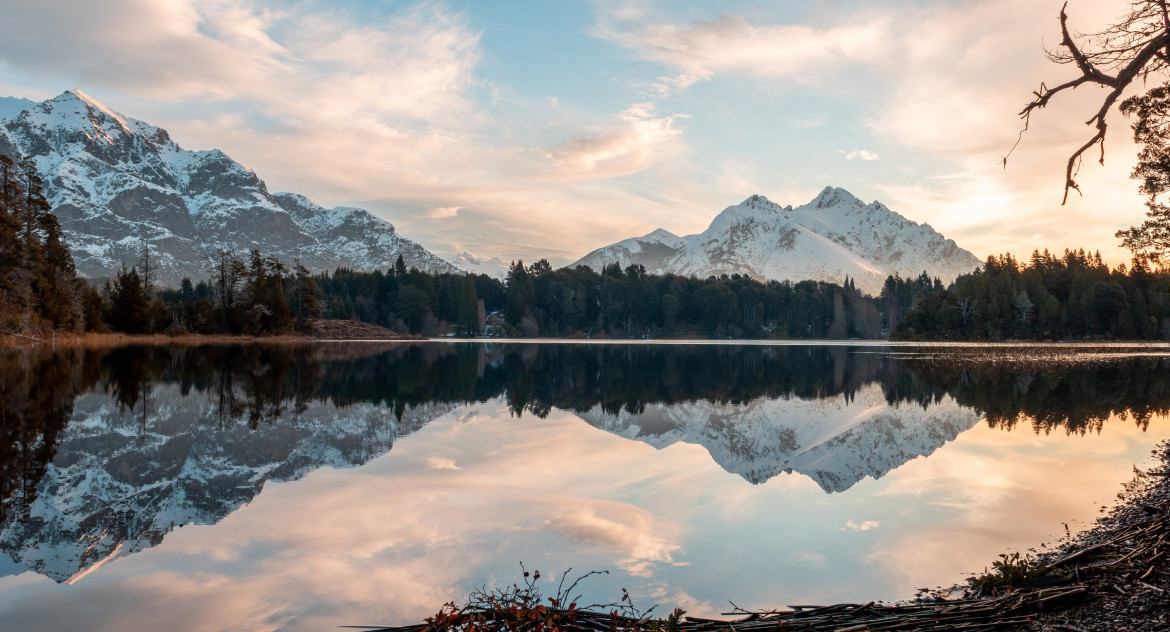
306, 486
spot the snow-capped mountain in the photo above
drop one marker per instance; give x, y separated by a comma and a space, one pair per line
116, 487
494, 267
650, 250
832, 237
836, 441
115, 182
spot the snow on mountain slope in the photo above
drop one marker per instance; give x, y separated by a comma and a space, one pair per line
832, 237
649, 250
115, 182
115, 487
892, 242
492, 266
836, 441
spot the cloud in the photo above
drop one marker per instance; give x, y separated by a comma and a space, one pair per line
302, 62
440, 463
955, 92
859, 154
698, 50
443, 212
863, 526
643, 138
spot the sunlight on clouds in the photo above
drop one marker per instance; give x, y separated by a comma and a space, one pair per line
644, 138
730, 43
443, 212
987, 487
392, 108
956, 94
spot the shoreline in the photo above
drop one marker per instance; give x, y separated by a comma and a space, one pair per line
353, 331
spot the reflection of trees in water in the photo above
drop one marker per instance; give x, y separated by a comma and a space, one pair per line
36, 401
1077, 398
257, 384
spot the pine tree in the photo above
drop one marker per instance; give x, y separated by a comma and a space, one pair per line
128, 304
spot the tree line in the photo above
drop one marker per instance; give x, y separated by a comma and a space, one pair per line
1049, 297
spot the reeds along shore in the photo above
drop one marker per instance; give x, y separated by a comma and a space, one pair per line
1112, 577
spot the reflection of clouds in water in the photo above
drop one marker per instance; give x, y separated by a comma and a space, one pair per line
996, 492
618, 527
462, 501
450, 508
810, 559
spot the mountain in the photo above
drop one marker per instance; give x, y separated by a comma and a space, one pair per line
492, 266
836, 441
650, 250
830, 238
115, 182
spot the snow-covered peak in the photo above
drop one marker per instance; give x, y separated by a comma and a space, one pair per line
835, 196
756, 210
475, 264
759, 202
662, 236
74, 111
115, 182
833, 237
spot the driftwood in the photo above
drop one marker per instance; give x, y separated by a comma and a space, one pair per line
968, 615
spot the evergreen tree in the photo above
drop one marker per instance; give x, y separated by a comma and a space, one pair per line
128, 304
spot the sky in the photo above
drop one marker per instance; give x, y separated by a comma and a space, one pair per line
527, 129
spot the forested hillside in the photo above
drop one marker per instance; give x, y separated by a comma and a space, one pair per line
1069, 297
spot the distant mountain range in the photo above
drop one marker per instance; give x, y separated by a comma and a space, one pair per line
832, 237
115, 182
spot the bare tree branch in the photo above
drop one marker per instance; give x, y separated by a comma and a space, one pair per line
1138, 45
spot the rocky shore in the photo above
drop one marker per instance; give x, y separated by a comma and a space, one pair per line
1121, 561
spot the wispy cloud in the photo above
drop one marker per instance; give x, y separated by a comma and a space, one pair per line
859, 154
641, 137
696, 51
443, 212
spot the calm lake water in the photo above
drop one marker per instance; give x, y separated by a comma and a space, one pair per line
309, 486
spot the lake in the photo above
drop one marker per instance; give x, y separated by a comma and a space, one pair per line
307, 486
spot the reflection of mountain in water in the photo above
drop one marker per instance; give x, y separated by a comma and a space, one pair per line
115, 489
836, 440
103, 452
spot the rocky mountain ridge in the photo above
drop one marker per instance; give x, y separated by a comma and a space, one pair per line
833, 237
116, 182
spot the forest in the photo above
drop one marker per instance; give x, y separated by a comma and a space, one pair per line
1075, 296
